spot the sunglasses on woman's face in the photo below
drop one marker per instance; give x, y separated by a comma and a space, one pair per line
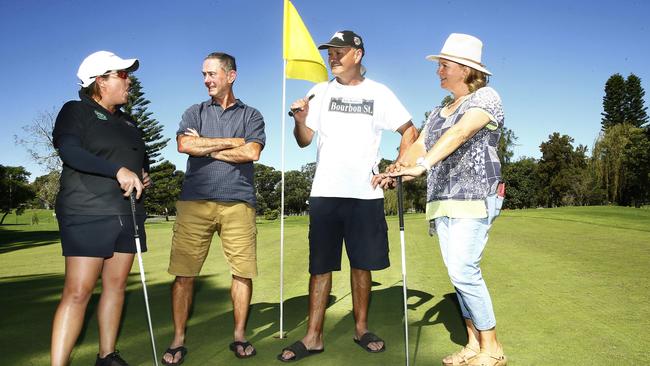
122, 74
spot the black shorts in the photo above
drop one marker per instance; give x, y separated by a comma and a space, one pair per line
99, 235
361, 223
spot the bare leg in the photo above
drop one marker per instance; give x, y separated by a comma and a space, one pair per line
182, 291
361, 283
489, 342
320, 286
485, 340
472, 335
109, 312
241, 291
491, 350
80, 277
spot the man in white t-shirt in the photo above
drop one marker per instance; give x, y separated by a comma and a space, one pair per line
349, 114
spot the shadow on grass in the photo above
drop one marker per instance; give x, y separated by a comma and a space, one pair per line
14, 239
447, 313
29, 303
266, 315
385, 319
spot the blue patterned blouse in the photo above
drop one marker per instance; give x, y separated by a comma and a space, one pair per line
472, 171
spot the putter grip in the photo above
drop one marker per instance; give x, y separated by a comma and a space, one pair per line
132, 199
135, 223
291, 112
400, 203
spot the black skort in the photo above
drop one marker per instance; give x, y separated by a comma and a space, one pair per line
100, 235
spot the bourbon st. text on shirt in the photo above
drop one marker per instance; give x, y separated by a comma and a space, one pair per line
347, 105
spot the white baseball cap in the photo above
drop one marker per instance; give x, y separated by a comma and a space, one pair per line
101, 62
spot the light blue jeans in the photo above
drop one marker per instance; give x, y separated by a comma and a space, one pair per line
462, 242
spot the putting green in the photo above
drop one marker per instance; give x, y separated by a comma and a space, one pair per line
569, 285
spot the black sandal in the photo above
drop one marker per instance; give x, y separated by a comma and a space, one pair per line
233, 347
173, 352
299, 351
368, 338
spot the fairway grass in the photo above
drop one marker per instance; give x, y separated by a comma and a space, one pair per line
570, 286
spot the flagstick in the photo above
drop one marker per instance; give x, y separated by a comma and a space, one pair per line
284, 100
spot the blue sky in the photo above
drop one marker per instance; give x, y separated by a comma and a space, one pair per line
550, 59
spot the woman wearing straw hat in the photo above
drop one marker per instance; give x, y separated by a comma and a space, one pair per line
104, 161
457, 149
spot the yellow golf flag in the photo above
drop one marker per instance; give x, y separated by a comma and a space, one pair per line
303, 59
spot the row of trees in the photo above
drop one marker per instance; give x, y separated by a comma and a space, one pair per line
618, 170
162, 196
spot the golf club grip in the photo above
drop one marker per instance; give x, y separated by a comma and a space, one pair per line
291, 112
135, 223
400, 204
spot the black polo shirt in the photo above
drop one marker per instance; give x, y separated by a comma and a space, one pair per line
114, 142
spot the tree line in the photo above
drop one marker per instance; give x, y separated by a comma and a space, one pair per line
616, 172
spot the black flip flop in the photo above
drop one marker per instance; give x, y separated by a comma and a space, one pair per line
173, 352
233, 347
368, 338
299, 351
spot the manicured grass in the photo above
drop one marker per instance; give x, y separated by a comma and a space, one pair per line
570, 286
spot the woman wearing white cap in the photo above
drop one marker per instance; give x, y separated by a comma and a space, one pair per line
457, 149
104, 161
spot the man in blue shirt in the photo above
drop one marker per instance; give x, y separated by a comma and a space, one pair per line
223, 137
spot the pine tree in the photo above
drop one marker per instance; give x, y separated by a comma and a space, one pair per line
613, 102
559, 168
162, 196
136, 107
505, 148
635, 112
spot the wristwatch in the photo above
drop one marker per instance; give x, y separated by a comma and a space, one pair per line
423, 163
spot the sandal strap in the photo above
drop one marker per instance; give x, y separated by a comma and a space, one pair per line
463, 356
486, 359
243, 344
298, 349
369, 337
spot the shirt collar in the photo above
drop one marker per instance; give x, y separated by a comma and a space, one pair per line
238, 104
90, 101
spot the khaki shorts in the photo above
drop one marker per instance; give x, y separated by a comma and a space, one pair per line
196, 223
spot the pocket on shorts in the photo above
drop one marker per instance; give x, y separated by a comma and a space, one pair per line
493, 204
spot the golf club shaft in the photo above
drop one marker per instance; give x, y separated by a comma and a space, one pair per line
400, 212
138, 249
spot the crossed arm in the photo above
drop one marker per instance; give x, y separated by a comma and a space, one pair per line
228, 149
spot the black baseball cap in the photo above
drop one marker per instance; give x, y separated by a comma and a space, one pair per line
344, 38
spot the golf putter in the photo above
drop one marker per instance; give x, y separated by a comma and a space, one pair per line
142, 277
400, 211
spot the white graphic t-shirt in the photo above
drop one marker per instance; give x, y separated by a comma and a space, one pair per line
349, 121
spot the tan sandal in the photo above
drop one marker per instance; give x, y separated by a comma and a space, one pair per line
486, 359
461, 357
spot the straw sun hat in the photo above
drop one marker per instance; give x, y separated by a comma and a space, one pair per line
463, 49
